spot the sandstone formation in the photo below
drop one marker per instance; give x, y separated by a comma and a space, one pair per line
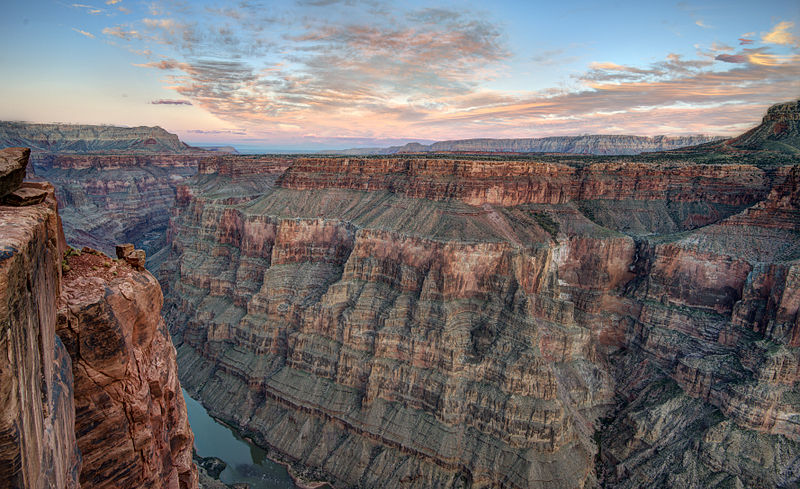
82, 138
130, 414
597, 144
13, 162
37, 418
105, 410
779, 131
558, 322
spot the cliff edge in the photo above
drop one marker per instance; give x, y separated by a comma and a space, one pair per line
106, 410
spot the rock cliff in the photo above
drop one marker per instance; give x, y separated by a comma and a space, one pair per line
540, 323
596, 144
82, 138
779, 131
104, 407
113, 198
130, 414
37, 419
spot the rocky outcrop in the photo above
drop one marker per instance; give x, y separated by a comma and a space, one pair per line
596, 144
779, 131
130, 414
13, 162
106, 409
82, 138
413, 322
37, 419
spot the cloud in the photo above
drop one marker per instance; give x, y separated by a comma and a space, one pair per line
112, 2
743, 41
216, 131
170, 102
89, 9
122, 32
780, 35
732, 58
703, 24
373, 70
87, 34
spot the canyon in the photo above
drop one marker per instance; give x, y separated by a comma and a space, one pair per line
88, 377
409, 320
549, 322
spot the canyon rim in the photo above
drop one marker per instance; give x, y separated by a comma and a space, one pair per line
363, 244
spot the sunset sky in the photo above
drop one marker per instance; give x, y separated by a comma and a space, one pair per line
312, 74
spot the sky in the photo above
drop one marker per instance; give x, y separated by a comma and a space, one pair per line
313, 74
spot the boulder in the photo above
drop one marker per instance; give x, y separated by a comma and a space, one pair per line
124, 249
136, 259
12, 169
25, 196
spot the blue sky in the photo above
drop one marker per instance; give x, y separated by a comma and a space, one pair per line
344, 73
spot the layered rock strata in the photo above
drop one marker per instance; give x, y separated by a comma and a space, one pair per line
597, 144
37, 418
466, 323
130, 415
106, 409
83, 138
107, 199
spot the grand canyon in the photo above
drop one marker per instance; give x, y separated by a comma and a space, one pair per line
429, 319
365, 244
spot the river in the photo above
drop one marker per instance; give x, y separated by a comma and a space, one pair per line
246, 462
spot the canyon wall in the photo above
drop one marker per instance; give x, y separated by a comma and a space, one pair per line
522, 324
130, 414
596, 144
103, 408
107, 199
84, 138
37, 419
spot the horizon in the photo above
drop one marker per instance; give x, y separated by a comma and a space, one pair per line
335, 74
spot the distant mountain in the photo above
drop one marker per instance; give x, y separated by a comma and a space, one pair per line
81, 138
779, 131
598, 144
230, 150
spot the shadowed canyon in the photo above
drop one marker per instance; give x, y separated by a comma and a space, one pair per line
426, 320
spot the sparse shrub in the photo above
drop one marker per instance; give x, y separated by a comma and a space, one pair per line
547, 223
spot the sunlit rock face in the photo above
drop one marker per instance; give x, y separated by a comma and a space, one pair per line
103, 407
37, 413
411, 322
130, 417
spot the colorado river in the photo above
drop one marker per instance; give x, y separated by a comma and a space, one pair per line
246, 462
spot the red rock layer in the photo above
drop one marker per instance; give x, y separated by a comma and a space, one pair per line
439, 323
511, 183
37, 435
131, 422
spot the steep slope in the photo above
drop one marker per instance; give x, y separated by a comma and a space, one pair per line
779, 131
108, 199
552, 323
82, 138
106, 408
597, 144
130, 416
37, 419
